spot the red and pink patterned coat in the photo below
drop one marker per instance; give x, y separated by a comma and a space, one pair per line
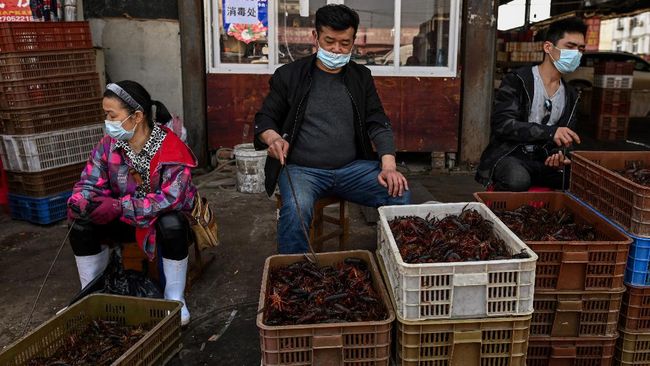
107, 174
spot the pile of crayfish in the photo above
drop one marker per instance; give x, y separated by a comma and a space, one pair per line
101, 343
303, 293
455, 238
637, 174
539, 224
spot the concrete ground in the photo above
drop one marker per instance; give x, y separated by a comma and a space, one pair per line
223, 303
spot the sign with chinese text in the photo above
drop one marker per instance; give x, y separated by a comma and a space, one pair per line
15, 11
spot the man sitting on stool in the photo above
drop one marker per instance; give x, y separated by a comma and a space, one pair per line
534, 114
318, 121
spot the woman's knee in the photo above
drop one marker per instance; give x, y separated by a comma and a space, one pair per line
173, 235
84, 239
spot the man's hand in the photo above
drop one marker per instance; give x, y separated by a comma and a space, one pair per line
278, 147
564, 136
557, 161
390, 178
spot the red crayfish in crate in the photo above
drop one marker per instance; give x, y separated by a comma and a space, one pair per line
454, 238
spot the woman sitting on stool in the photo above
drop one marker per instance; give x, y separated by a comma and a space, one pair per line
137, 185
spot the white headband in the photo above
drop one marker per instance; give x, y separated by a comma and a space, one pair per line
124, 96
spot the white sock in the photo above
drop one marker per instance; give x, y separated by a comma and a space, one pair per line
175, 275
91, 266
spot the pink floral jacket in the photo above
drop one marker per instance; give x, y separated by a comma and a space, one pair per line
107, 174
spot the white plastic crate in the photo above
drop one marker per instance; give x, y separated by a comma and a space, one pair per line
41, 151
461, 289
613, 81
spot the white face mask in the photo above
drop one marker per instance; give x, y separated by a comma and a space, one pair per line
115, 130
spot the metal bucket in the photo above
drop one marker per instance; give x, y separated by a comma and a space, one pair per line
250, 168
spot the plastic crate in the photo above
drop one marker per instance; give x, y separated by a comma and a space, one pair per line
44, 36
580, 314
594, 180
610, 127
354, 344
613, 68
49, 91
38, 152
613, 81
610, 102
496, 341
51, 118
597, 265
584, 351
637, 272
457, 290
45, 210
33, 65
490, 341
633, 348
157, 347
45, 183
635, 310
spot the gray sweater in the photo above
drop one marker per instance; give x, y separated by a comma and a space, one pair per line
326, 139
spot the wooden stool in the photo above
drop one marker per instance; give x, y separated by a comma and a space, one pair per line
316, 236
134, 258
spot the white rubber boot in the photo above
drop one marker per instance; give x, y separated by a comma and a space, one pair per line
91, 266
175, 274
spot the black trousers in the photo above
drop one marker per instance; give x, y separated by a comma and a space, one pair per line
172, 235
519, 171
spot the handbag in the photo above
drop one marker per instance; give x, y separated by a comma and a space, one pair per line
203, 223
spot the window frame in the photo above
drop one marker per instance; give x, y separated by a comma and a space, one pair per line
215, 66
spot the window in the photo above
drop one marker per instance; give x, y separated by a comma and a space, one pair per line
618, 46
635, 45
395, 37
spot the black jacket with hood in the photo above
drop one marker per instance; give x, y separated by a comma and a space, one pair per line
510, 128
283, 109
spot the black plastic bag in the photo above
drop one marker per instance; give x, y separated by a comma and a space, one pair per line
115, 280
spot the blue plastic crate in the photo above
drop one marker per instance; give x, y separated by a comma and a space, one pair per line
45, 210
637, 270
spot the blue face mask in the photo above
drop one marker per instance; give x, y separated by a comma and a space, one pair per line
115, 130
333, 60
568, 62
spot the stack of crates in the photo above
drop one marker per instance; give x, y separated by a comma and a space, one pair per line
610, 103
578, 284
50, 114
461, 313
596, 181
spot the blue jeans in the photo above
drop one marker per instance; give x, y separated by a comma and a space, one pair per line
356, 182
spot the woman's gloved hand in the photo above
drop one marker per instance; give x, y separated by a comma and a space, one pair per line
108, 210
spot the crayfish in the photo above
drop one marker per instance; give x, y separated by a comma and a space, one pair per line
531, 223
454, 238
303, 293
637, 174
100, 344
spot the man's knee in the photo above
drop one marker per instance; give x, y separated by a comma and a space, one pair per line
173, 230
511, 176
83, 239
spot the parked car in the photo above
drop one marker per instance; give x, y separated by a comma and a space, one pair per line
583, 78
584, 75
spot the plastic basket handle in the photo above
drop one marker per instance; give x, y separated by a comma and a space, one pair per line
471, 279
575, 257
326, 342
474, 336
562, 352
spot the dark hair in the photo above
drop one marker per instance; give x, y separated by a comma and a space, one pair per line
557, 30
338, 17
141, 95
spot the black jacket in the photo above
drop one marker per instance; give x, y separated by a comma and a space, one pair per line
283, 109
510, 128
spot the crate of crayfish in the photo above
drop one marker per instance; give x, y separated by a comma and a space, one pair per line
103, 330
329, 310
578, 250
454, 261
616, 183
